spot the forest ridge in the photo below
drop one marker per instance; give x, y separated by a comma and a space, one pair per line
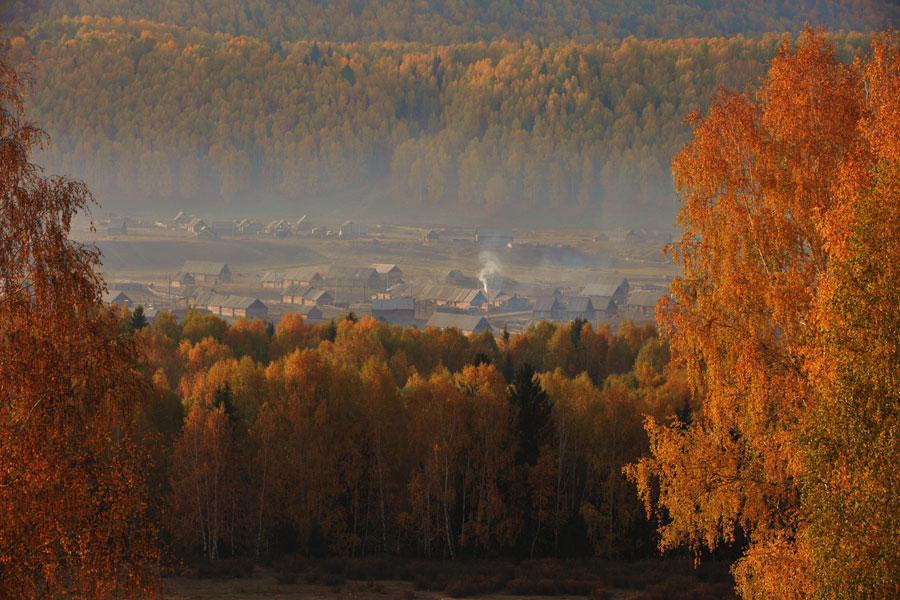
166, 116
460, 21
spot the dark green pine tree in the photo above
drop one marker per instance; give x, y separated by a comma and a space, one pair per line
138, 320
534, 408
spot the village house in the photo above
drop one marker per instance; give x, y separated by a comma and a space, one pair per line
117, 227
302, 225
224, 305
616, 290
448, 295
181, 219
510, 302
493, 236
247, 227
278, 228
643, 302
207, 271
604, 306
430, 236
310, 313
117, 298
497, 299
283, 279
182, 279
306, 295
391, 275
548, 308
579, 307
353, 283
196, 225
394, 310
467, 324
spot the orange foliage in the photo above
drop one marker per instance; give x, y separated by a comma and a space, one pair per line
770, 186
72, 486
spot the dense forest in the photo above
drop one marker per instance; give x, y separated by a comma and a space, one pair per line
158, 116
460, 21
760, 420
362, 439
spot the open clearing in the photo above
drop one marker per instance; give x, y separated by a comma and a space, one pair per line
388, 579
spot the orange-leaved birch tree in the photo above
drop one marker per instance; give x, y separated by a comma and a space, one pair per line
770, 182
852, 445
72, 480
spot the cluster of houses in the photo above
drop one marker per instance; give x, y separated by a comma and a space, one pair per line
464, 304
209, 228
213, 228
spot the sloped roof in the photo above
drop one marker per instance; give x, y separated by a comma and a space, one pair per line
603, 302
117, 223
300, 274
443, 320
547, 303
314, 294
204, 267
204, 296
393, 304
360, 273
579, 304
645, 298
229, 301
296, 290
445, 293
182, 276
383, 268
600, 289
119, 298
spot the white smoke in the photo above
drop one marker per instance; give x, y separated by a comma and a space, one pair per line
489, 266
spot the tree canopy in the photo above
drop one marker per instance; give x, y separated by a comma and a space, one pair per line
779, 191
72, 487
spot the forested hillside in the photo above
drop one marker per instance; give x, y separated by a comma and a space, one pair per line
572, 109
160, 116
456, 21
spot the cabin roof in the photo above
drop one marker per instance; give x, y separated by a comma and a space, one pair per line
393, 304
646, 298
204, 267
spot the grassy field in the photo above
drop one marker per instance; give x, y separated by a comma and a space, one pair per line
377, 579
539, 257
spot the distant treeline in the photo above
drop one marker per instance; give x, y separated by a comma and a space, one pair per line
455, 21
151, 113
358, 438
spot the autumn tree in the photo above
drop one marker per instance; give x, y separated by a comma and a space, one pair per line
850, 494
771, 185
72, 505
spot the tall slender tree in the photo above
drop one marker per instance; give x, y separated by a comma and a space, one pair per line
72, 506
